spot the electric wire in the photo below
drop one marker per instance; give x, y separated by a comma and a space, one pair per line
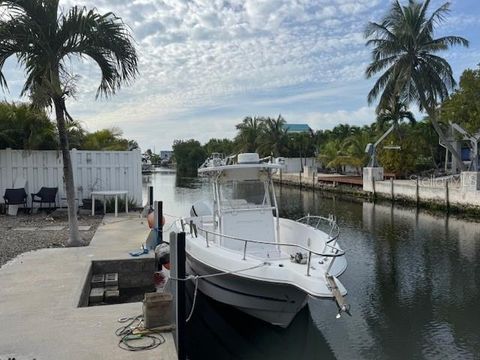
129, 341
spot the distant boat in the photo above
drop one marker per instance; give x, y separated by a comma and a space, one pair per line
247, 256
147, 166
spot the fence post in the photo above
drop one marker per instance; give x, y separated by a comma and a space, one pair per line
300, 179
373, 189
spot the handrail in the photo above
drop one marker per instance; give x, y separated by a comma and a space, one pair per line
335, 229
335, 251
247, 209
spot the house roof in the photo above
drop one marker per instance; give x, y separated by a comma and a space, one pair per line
297, 128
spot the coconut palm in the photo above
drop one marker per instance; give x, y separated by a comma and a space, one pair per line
404, 49
354, 149
394, 113
43, 38
248, 136
274, 139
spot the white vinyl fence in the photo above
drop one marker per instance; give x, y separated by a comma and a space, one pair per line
93, 171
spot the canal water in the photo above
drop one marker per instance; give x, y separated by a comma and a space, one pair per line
413, 283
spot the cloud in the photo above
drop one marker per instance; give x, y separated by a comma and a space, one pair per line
204, 64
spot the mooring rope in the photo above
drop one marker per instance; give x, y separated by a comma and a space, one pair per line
198, 277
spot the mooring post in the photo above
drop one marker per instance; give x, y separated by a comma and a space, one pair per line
177, 255
392, 193
447, 200
158, 211
373, 189
150, 196
417, 193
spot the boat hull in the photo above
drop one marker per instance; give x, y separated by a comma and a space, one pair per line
275, 303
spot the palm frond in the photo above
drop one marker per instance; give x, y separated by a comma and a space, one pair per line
106, 40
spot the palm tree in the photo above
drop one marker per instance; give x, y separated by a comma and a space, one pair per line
22, 127
43, 37
248, 136
273, 140
354, 148
404, 49
394, 113
330, 154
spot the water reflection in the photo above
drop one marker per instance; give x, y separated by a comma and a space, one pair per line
413, 282
222, 332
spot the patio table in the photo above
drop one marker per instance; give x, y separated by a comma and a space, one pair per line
106, 193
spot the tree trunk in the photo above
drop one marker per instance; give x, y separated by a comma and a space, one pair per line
74, 239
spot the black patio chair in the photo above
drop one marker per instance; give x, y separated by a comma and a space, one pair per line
46, 195
15, 197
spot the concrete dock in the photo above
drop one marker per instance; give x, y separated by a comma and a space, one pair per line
40, 292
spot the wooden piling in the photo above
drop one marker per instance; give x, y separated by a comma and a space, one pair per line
391, 189
373, 190
158, 210
178, 258
447, 200
417, 193
150, 196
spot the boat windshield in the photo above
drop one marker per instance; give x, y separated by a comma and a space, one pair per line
244, 194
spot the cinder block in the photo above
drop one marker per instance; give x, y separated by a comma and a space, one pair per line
111, 288
96, 295
112, 295
111, 279
97, 281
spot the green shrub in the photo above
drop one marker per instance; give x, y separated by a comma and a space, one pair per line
121, 205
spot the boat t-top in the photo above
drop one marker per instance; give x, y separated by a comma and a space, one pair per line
245, 255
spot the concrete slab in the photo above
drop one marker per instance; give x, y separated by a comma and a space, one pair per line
40, 291
52, 228
84, 227
25, 228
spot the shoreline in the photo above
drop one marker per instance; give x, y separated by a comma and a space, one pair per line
357, 193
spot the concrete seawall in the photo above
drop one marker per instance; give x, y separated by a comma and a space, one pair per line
438, 194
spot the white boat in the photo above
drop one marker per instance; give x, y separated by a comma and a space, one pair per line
246, 256
147, 166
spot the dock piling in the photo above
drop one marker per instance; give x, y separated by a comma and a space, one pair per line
150, 196
177, 255
158, 210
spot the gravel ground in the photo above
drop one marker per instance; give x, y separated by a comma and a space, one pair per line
15, 242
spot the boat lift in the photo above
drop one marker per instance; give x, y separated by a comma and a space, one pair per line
371, 149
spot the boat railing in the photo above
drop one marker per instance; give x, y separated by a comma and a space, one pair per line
321, 223
331, 251
247, 209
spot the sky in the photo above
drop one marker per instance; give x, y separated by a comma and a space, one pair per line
206, 64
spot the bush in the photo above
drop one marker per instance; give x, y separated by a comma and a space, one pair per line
121, 205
